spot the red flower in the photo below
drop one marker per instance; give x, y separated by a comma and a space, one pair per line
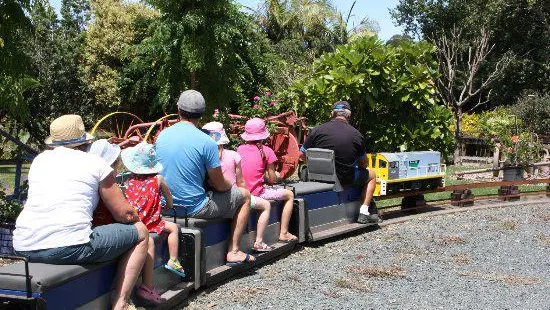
256, 106
272, 103
256, 98
510, 150
268, 93
515, 139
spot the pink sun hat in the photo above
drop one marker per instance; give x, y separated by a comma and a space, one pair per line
255, 130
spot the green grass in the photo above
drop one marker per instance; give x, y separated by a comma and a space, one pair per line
7, 175
450, 179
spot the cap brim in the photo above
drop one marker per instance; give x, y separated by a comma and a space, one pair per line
49, 142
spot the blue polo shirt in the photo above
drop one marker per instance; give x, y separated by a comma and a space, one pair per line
186, 153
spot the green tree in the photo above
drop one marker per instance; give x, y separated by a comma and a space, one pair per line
391, 89
15, 73
302, 30
108, 36
56, 51
519, 27
211, 47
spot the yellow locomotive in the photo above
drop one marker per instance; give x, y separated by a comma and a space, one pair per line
407, 171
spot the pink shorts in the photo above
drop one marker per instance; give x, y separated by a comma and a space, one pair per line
273, 193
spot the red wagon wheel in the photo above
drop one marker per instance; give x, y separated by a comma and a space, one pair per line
122, 128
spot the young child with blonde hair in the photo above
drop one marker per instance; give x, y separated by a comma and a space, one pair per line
231, 168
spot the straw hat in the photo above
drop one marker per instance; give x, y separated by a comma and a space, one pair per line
141, 159
68, 130
216, 131
255, 130
107, 151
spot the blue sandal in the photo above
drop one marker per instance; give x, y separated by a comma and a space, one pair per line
244, 261
177, 269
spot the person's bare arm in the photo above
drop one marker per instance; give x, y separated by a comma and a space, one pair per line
239, 176
115, 202
217, 180
166, 192
271, 176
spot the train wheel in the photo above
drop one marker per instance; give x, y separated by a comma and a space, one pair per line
122, 128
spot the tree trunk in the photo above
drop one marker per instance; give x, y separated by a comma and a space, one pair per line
193, 80
458, 136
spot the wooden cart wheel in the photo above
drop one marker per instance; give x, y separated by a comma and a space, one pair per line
158, 126
122, 128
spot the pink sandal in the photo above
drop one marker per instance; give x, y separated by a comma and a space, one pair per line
149, 294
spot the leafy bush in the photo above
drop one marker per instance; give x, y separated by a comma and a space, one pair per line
262, 105
390, 89
9, 208
534, 111
471, 126
520, 147
498, 123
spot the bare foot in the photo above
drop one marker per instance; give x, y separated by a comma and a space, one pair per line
287, 237
238, 256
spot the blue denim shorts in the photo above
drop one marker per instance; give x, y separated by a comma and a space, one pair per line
107, 242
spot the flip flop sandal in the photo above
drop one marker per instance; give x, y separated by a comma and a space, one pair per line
262, 247
177, 269
149, 295
244, 261
289, 240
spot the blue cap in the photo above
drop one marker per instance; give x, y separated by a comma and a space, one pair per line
341, 105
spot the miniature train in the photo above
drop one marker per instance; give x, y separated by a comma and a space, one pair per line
322, 209
407, 171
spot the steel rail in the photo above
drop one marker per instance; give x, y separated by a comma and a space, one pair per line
464, 187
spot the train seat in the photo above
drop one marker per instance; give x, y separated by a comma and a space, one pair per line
215, 233
80, 286
323, 208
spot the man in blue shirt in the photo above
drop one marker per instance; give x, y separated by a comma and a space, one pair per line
351, 162
188, 155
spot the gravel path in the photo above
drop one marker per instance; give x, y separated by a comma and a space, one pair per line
494, 258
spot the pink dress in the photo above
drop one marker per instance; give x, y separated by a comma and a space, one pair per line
229, 161
254, 167
143, 193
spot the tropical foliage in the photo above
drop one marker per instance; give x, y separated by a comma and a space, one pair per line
391, 91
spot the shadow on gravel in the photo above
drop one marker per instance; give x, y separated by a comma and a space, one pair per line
405, 212
244, 274
321, 243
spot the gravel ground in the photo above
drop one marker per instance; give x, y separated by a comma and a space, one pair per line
484, 259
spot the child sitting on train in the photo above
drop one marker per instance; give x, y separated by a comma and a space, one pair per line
257, 159
144, 189
231, 168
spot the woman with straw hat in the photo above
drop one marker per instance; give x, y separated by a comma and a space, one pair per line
65, 184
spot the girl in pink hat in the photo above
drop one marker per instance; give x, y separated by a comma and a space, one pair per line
257, 159
231, 168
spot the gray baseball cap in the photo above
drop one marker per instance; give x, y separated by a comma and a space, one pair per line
191, 101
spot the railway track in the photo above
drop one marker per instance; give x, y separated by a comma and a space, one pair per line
394, 214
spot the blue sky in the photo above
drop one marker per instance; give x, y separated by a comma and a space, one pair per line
376, 10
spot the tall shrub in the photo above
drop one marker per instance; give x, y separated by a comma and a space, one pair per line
391, 91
